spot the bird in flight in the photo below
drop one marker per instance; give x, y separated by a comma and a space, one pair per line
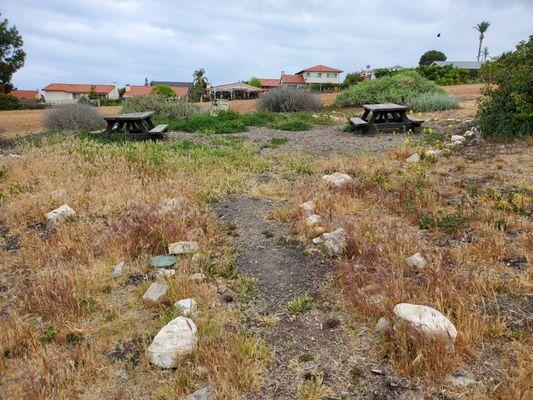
438, 34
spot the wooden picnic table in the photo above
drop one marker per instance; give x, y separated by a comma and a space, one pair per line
138, 122
386, 116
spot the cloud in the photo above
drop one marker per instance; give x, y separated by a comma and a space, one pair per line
127, 40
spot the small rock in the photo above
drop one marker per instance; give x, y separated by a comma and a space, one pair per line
183, 248
308, 207
337, 179
382, 325
175, 341
416, 260
312, 220
162, 273
155, 292
60, 213
118, 269
205, 393
434, 153
461, 378
198, 277
317, 240
335, 241
427, 319
171, 205
468, 134
187, 306
414, 158
457, 139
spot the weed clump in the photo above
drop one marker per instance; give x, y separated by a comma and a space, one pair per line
73, 117
288, 99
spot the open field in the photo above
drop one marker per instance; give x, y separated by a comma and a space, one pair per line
23, 122
277, 317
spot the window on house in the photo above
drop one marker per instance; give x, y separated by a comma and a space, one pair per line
320, 74
308, 74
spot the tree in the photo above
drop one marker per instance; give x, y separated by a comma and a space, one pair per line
199, 84
429, 57
92, 93
163, 91
11, 54
255, 82
482, 27
351, 78
505, 107
485, 53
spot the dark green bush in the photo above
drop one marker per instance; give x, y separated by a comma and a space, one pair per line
506, 107
289, 99
294, 125
9, 102
164, 91
397, 89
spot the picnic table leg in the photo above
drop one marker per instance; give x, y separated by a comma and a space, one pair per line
150, 123
120, 126
365, 115
407, 122
110, 125
373, 117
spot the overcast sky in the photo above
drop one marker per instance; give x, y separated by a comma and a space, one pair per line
124, 41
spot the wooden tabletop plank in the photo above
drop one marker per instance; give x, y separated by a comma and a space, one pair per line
384, 107
136, 116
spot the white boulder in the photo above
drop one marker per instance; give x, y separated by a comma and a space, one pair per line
416, 261
60, 213
183, 248
173, 343
337, 179
187, 306
205, 393
162, 273
155, 292
335, 241
312, 220
117, 270
427, 319
434, 153
457, 139
413, 159
308, 207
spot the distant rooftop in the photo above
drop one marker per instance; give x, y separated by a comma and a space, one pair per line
459, 64
173, 84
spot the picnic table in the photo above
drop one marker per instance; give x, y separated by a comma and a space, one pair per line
386, 116
139, 123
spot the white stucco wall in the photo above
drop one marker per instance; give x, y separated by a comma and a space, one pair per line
58, 97
324, 79
113, 94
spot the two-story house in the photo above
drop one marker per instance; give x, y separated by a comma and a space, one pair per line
320, 74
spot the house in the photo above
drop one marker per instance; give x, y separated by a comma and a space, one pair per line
136, 90
187, 85
22, 94
291, 80
320, 74
459, 64
66, 93
268, 83
234, 91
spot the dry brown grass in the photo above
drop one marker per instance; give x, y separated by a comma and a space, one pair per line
69, 330
468, 216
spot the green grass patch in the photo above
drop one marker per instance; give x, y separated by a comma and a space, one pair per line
300, 305
275, 142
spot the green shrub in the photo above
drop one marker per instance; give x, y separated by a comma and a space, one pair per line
164, 91
506, 107
275, 142
164, 109
73, 117
397, 89
433, 102
289, 99
10, 102
294, 125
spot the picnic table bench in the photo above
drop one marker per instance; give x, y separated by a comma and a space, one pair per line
385, 116
138, 124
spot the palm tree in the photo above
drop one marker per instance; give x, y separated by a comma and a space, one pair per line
485, 53
481, 28
199, 84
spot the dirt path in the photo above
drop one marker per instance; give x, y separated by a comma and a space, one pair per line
313, 351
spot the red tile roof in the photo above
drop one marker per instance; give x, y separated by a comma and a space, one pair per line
135, 90
78, 88
292, 79
267, 82
25, 94
320, 68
